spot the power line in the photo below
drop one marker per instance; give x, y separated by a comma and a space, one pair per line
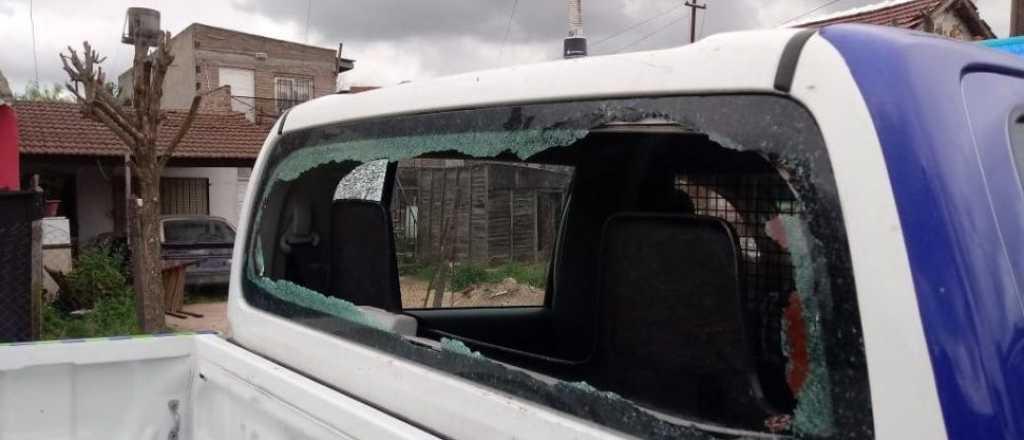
35, 58
508, 29
655, 17
645, 37
823, 6
702, 20
309, 10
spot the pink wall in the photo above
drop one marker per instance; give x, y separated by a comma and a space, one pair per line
9, 173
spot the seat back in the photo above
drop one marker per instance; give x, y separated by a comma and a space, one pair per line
671, 324
363, 266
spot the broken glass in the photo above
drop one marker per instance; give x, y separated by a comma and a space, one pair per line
774, 127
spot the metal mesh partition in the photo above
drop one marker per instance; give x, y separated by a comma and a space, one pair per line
19, 209
752, 204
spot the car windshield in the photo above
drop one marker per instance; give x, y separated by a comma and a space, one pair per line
197, 231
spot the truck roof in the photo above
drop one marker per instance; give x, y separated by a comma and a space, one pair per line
730, 62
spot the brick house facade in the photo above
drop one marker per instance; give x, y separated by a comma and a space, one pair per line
956, 19
264, 76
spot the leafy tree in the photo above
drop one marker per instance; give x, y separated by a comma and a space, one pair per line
36, 92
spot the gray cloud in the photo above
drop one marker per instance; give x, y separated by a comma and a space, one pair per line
395, 40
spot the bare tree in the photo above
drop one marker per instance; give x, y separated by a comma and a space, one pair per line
137, 126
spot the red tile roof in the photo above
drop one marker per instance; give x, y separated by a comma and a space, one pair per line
905, 14
58, 128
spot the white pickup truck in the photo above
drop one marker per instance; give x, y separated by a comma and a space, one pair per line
773, 234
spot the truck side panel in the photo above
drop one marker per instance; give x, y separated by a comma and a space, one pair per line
964, 280
176, 387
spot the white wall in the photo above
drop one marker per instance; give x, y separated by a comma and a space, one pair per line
95, 194
223, 188
94, 204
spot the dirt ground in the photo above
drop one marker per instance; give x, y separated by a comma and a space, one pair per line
507, 293
215, 317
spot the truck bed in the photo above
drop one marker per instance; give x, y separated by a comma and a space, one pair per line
172, 387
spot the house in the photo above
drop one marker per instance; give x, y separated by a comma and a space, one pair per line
486, 211
82, 163
957, 19
252, 74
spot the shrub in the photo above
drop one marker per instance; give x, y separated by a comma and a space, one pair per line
97, 274
110, 316
97, 282
534, 274
469, 274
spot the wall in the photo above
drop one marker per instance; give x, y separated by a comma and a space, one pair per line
949, 24
223, 188
216, 100
180, 82
215, 48
95, 194
95, 207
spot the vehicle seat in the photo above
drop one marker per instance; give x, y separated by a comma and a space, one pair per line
363, 267
671, 330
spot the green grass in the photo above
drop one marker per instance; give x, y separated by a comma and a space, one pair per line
110, 316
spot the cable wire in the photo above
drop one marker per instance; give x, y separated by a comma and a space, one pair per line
645, 37
823, 6
35, 58
508, 29
634, 26
703, 18
309, 10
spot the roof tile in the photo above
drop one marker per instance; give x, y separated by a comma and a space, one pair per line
906, 14
59, 128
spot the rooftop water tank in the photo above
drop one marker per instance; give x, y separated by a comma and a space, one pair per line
142, 25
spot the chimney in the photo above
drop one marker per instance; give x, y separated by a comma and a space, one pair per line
576, 44
1016, 18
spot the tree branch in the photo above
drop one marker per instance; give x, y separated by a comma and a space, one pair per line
96, 100
182, 130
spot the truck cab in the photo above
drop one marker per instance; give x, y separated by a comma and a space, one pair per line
769, 234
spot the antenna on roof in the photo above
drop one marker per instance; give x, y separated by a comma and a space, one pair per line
576, 44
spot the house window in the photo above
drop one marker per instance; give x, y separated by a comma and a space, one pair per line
291, 91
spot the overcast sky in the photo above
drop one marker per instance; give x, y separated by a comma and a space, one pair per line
396, 40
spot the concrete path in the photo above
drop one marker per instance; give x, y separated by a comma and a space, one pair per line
214, 318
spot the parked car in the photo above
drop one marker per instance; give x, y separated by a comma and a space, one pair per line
206, 240
775, 234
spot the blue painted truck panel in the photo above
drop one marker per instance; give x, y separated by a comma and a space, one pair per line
942, 111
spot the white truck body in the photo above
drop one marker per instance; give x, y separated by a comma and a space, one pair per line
278, 379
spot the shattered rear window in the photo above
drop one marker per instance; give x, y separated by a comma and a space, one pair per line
445, 217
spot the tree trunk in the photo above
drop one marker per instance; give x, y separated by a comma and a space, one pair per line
148, 282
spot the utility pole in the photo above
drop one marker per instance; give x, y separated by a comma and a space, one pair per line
694, 6
1016, 18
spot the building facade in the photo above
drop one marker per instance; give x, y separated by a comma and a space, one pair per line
252, 74
956, 19
81, 164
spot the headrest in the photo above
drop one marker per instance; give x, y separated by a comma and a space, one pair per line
363, 267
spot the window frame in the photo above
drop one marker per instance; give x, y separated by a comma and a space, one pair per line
814, 179
292, 87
